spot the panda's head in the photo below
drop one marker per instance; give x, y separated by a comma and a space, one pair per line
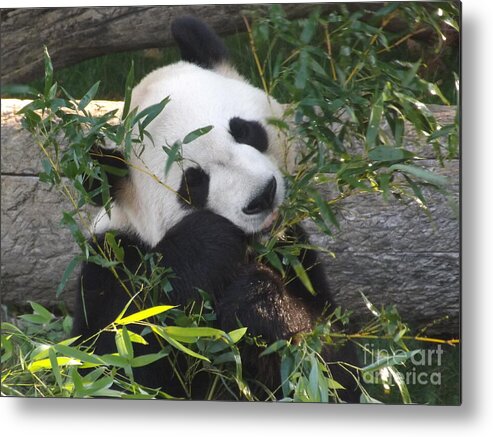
233, 170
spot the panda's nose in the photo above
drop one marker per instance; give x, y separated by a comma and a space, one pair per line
264, 200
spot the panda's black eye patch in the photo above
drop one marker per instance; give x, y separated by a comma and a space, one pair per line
249, 132
194, 188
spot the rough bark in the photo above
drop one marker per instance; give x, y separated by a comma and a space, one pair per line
75, 34
390, 250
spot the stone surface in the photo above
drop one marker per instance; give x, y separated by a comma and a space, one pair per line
390, 250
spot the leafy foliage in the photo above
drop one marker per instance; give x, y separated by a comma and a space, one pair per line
352, 99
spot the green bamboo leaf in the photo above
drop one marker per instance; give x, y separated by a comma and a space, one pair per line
227, 357
144, 314
174, 154
370, 306
421, 173
374, 122
100, 387
237, 334
89, 96
325, 210
302, 73
124, 344
7, 348
159, 330
55, 368
136, 338
33, 318
144, 360
309, 28
114, 360
416, 190
389, 153
390, 360
313, 381
66, 274
192, 136
185, 332
444, 131
150, 113
300, 272
399, 380
77, 354
41, 311
274, 347
287, 364
129, 84
48, 72
36, 366
334, 385
274, 260
110, 240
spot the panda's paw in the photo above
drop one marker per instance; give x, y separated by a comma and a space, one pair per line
258, 299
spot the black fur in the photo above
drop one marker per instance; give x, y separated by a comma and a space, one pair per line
208, 252
194, 188
113, 167
249, 132
198, 43
204, 251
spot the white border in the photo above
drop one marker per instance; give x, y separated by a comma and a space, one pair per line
23, 417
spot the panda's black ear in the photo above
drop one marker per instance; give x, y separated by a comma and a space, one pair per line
114, 169
198, 43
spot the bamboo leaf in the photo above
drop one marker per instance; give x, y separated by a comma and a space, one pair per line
124, 344
77, 354
421, 173
237, 334
129, 84
374, 122
89, 96
41, 311
300, 272
192, 136
144, 360
55, 367
144, 314
150, 113
274, 347
36, 366
66, 274
389, 153
391, 360
399, 380
48, 72
193, 332
159, 330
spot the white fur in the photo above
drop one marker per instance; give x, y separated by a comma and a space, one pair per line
238, 172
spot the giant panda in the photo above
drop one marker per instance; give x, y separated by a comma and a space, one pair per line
201, 214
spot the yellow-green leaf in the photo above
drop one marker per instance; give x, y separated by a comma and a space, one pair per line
144, 314
35, 366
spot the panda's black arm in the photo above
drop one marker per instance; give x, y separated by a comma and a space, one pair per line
203, 251
273, 307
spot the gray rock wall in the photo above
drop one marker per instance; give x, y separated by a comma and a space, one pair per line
391, 251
